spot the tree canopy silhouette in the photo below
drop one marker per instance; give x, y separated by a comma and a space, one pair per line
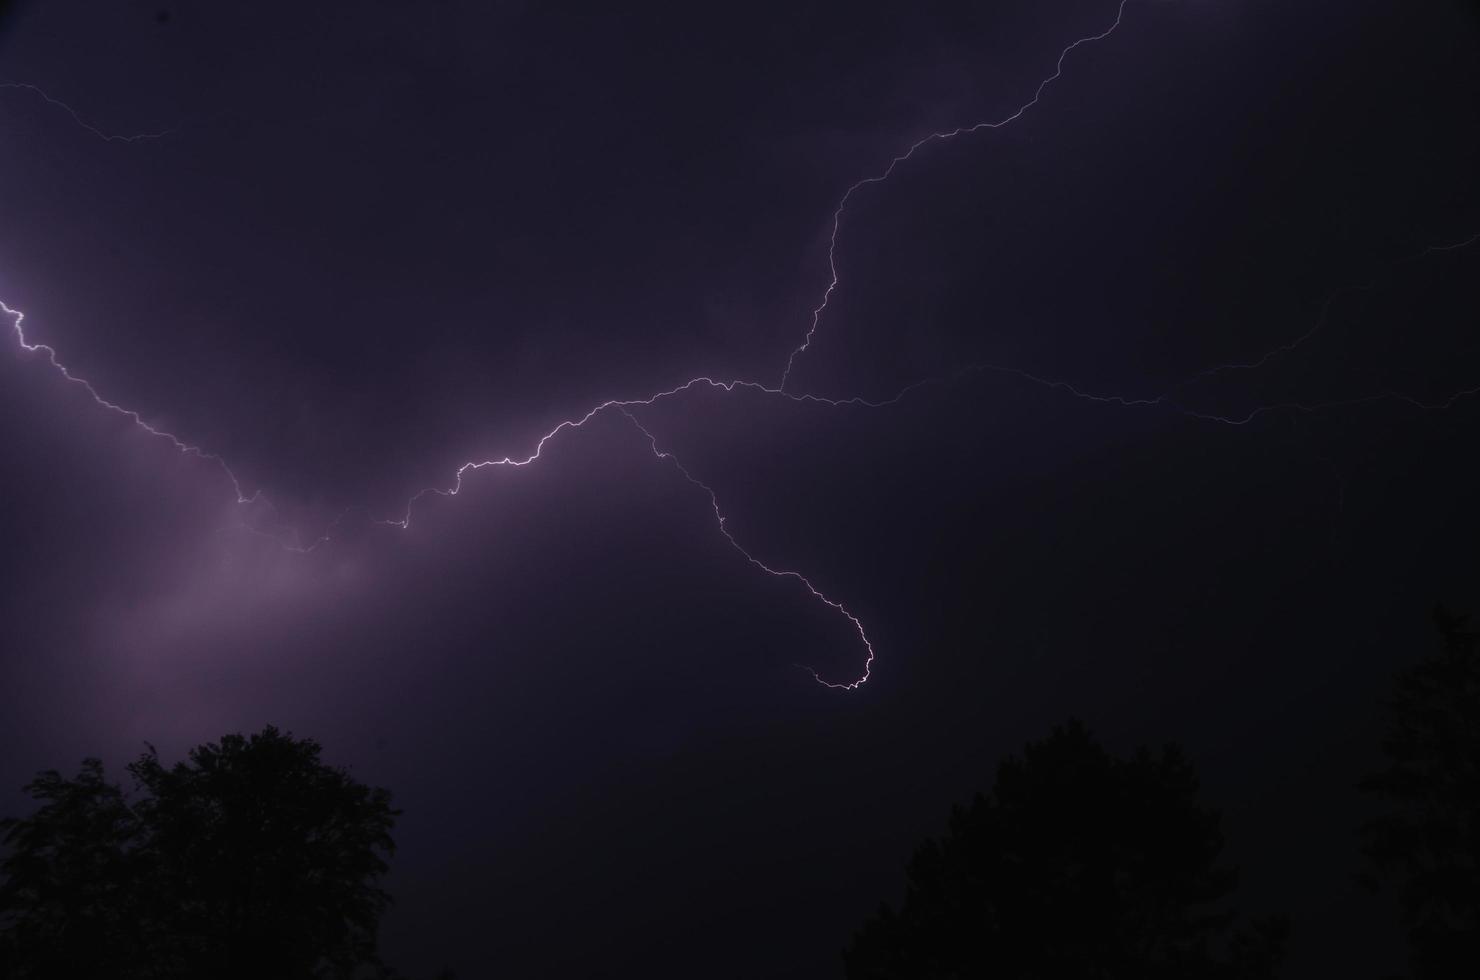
251, 859
1078, 864
1428, 841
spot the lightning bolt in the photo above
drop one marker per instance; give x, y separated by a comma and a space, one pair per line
18, 320
628, 406
887, 172
782, 573
1320, 321
79, 120
1166, 400
622, 404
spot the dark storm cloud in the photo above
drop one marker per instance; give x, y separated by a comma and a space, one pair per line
386, 240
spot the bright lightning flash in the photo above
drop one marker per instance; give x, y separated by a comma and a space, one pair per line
627, 406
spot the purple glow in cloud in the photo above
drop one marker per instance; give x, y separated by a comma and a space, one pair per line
621, 404
627, 405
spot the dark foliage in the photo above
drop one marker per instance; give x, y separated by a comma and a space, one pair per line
252, 859
1078, 864
1428, 841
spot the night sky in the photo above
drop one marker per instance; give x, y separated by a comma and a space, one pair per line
374, 241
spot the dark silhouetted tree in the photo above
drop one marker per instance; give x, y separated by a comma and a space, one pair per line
70, 902
251, 859
1078, 864
1428, 841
